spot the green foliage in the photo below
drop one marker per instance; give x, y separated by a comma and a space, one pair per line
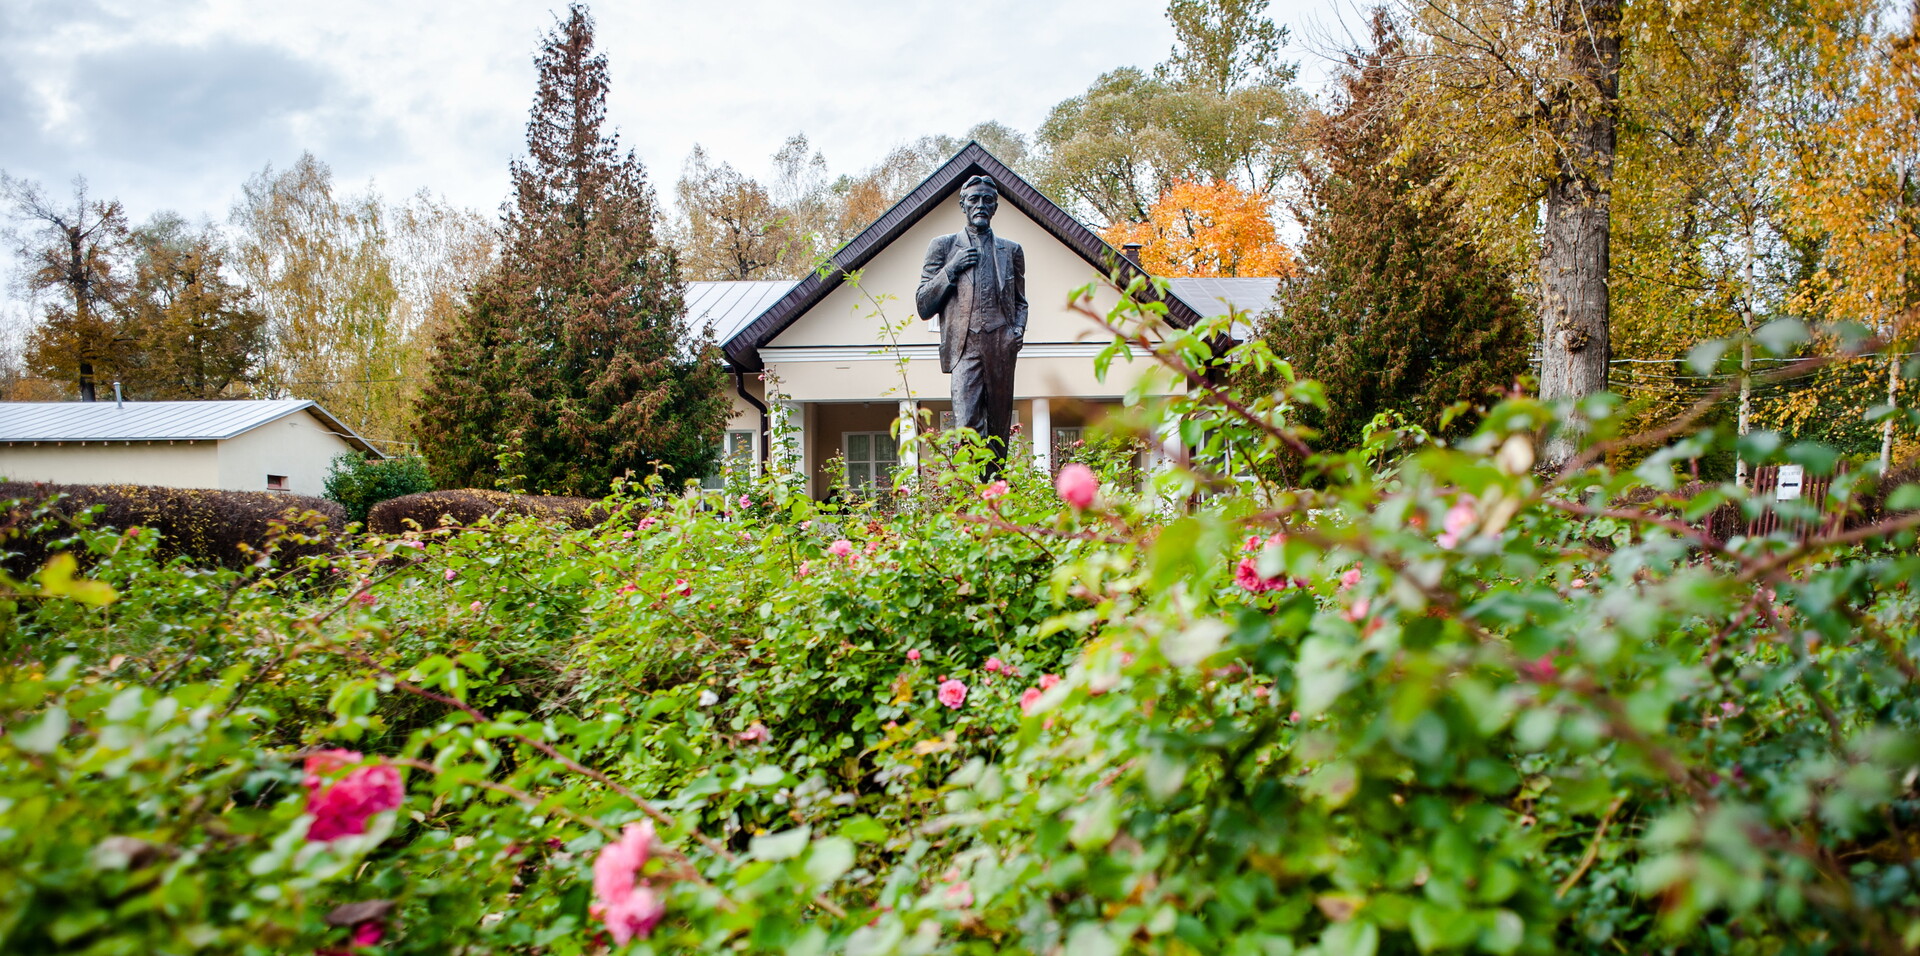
1395, 309
1438, 703
358, 482
573, 351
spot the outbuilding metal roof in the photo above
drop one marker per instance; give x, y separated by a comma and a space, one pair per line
155, 421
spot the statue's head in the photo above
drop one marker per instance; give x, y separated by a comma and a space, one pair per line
979, 199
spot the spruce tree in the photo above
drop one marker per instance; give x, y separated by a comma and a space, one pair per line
573, 353
1395, 308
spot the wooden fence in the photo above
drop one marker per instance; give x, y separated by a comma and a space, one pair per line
1813, 490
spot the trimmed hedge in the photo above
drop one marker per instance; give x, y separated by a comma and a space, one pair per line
465, 506
205, 525
1873, 505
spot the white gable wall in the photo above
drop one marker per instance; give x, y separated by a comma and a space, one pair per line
826, 355
298, 446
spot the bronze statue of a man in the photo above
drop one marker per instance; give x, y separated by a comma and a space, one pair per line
976, 283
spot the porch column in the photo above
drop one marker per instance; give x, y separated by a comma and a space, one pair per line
909, 429
789, 448
1043, 434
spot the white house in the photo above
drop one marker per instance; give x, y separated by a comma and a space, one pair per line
847, 358
282, 445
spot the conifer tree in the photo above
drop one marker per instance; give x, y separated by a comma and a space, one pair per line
573, 353
1395, 309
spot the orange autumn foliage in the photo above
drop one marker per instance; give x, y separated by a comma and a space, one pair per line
1201, 229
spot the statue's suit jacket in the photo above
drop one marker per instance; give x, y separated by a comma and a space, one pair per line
953, 302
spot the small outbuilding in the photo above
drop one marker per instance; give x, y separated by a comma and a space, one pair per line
272, 445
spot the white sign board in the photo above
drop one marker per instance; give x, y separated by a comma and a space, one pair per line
1792, 477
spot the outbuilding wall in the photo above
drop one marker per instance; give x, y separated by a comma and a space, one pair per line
168, 464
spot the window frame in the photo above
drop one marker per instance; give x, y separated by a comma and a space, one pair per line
737, 446
873, 478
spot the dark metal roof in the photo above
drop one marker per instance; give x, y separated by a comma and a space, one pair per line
743, 348
155, 421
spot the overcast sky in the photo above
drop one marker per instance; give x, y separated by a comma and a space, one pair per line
172, 104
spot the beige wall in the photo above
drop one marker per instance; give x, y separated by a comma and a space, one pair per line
298, 446
829, 354
175, 465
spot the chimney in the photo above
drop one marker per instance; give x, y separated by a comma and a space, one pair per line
1132, 252
116, 394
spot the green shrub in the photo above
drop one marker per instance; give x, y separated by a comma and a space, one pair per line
358, 482
1442, 705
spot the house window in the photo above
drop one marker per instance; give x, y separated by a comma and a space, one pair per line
871, 459
736, 453
276, 482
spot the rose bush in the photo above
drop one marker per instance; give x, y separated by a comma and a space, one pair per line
1443, 703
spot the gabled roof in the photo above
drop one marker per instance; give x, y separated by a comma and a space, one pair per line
156, 421
743, 348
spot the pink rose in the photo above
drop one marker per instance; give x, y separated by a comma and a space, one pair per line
648, 522
450, 574
626, 535
627, 904
1077, 486
681, 587
1540, 671
953, 693
627, 589
755, 733
994, 666
1579, 582
746, 502
1248, 576
1048, 680
474, 607
805, 569
366, 599
998, 489
1357, 612
1029, 699
1458, 519
913, 655
1350, 579
840, 548
341, 807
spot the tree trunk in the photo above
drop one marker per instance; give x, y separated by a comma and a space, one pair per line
1575, 254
